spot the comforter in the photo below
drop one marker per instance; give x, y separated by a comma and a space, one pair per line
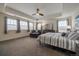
57, 40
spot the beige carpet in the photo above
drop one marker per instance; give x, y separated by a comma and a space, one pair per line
26, 47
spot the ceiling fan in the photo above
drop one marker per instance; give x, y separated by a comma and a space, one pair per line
38, 13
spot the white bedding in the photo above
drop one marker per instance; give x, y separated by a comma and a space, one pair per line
57, 40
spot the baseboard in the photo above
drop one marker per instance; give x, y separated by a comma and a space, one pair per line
15, 38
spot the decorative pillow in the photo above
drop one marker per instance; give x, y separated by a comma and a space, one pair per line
67, 34
63, 34
74, 37
71, 33
77, 38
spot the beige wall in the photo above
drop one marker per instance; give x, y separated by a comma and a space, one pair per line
1, 7
50, 22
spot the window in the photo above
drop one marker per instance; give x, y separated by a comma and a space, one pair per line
34, 26
11, 24
23, 25
30, 25
39, 26
62, 25
77, 23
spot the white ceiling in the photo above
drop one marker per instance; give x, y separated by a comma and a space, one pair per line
70, 8
50, 10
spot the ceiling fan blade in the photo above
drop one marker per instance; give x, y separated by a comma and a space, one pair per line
34, 14
37, 12
41, 14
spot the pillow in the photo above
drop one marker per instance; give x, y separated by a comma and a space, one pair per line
77, 38
73, 37
67, 34
71, 33
63, 34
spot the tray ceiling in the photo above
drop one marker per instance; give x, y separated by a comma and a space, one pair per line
50, 10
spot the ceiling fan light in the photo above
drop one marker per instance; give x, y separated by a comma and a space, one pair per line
37, 14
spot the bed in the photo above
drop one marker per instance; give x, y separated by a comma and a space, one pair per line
69, 41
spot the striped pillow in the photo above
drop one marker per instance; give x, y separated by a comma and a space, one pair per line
71, 34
